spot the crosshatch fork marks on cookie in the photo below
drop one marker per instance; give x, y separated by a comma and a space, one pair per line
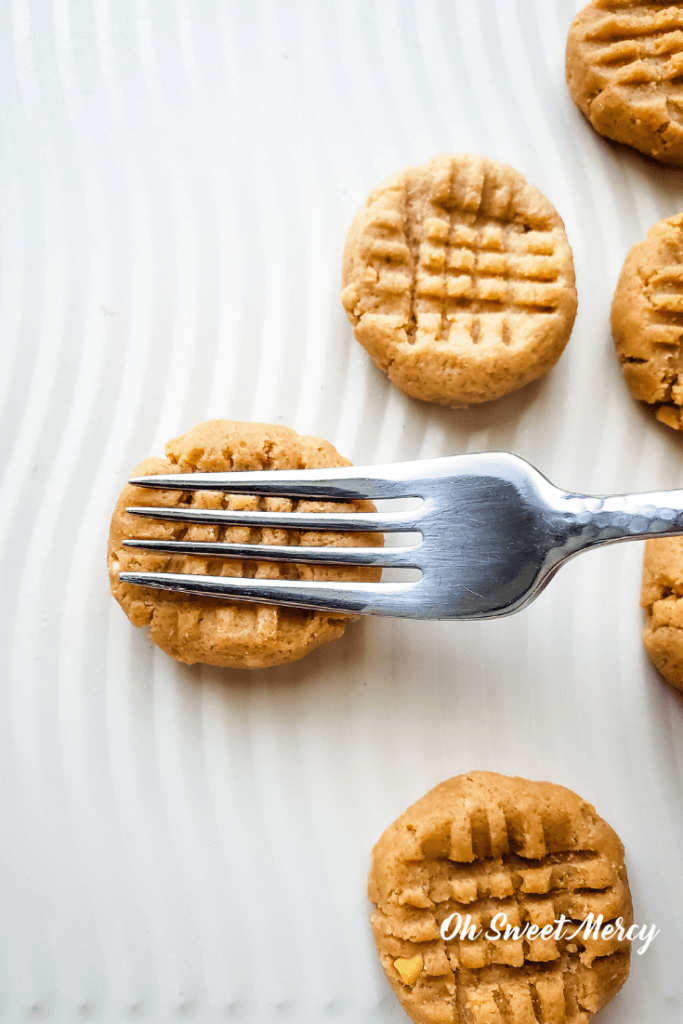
625, 72
494, 532
460, 267
664, 290
458, 280
479, 848
644, 45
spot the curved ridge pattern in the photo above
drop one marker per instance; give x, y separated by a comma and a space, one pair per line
176, 180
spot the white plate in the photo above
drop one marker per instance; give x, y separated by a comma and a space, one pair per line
176, 181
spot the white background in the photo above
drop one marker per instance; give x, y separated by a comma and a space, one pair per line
176, 180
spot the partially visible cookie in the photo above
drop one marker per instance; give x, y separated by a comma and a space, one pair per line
647, 320
624, 70
483, 844
458, 280
217, 632
662, 598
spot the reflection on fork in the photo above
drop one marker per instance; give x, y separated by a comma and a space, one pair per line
493, 533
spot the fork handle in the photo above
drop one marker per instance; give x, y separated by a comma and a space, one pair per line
607, 520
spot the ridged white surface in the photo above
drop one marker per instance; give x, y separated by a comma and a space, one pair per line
176, 179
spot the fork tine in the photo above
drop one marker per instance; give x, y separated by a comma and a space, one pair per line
396, 599
345, 482
386, 557
351, 522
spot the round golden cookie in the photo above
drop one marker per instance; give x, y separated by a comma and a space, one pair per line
458, 280
647, 320
624, 70
483, 844
662, 598
225, 633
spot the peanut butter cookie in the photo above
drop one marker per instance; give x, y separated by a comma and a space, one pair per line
458, 280
662, 598
647, 320
225, 633
625, 73
485, 845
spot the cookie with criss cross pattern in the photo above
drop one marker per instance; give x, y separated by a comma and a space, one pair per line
482, 845
458, 280
647, 320
625, 73
226, 633
662, 598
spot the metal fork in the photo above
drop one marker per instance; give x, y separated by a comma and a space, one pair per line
494, 532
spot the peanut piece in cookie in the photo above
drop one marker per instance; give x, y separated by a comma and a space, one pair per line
409, 969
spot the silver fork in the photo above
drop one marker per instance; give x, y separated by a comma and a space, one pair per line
494, 532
